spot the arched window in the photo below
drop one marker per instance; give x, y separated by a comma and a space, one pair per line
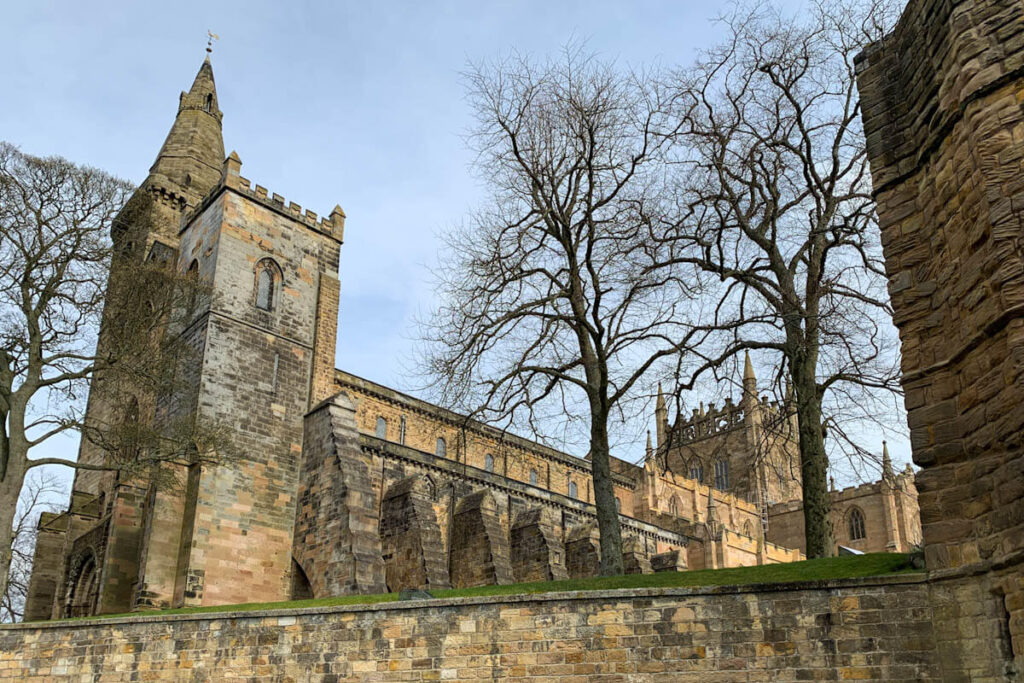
191, 284
209, 103
440, 448
533, 477
618, 504
697, 472
268, 282
721, 475
265, 290
748, 530
856, 523
489, 462
431, 486
382, 428
573, 490
673, 507
401, 430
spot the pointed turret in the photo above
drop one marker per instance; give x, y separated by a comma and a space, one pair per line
887, 471
650, 450
190, 161
749, 379
713, 523
661, 418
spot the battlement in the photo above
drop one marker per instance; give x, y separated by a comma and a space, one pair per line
703, 423
165, 195
332, 225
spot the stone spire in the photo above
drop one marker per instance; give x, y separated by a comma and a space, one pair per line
887, 471
189, 162
749, 379
661, 418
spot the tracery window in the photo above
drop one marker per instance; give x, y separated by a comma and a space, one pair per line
856, 523
382, 428
573, 490
722, 475
489, 462
697, 472
441, 448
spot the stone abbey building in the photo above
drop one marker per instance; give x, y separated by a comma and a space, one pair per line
344, 485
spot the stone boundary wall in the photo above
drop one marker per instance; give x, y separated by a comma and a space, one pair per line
877, 629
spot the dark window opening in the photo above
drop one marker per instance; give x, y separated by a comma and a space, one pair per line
857, 532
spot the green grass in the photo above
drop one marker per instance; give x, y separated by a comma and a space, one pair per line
850, 566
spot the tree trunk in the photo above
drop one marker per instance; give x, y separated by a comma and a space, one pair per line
10, 488
604, 495
813, 463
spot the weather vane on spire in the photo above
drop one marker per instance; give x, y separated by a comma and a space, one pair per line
209, 41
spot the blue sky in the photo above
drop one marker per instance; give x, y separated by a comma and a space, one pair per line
351, 103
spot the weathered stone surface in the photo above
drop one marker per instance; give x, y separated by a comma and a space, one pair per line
583, 552
634, 558
414, 555
479, 545
941, 102
537, 552
336, 540
869, 630
672, 561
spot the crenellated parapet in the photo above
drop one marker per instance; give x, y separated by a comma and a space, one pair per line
332, 225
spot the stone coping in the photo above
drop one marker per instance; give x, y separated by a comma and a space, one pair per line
511, 599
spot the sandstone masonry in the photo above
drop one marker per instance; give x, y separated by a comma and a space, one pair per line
869, 630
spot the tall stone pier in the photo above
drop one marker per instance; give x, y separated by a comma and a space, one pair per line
943, 108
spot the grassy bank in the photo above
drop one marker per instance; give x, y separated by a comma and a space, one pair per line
851, 566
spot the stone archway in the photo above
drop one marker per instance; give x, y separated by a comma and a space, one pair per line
83, 587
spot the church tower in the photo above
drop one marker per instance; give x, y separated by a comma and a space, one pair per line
263, 343
186, 168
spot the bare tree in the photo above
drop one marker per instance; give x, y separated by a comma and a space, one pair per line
555, 302
775, 202
41, 491
59, 273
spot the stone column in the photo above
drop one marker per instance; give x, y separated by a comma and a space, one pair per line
941, 103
